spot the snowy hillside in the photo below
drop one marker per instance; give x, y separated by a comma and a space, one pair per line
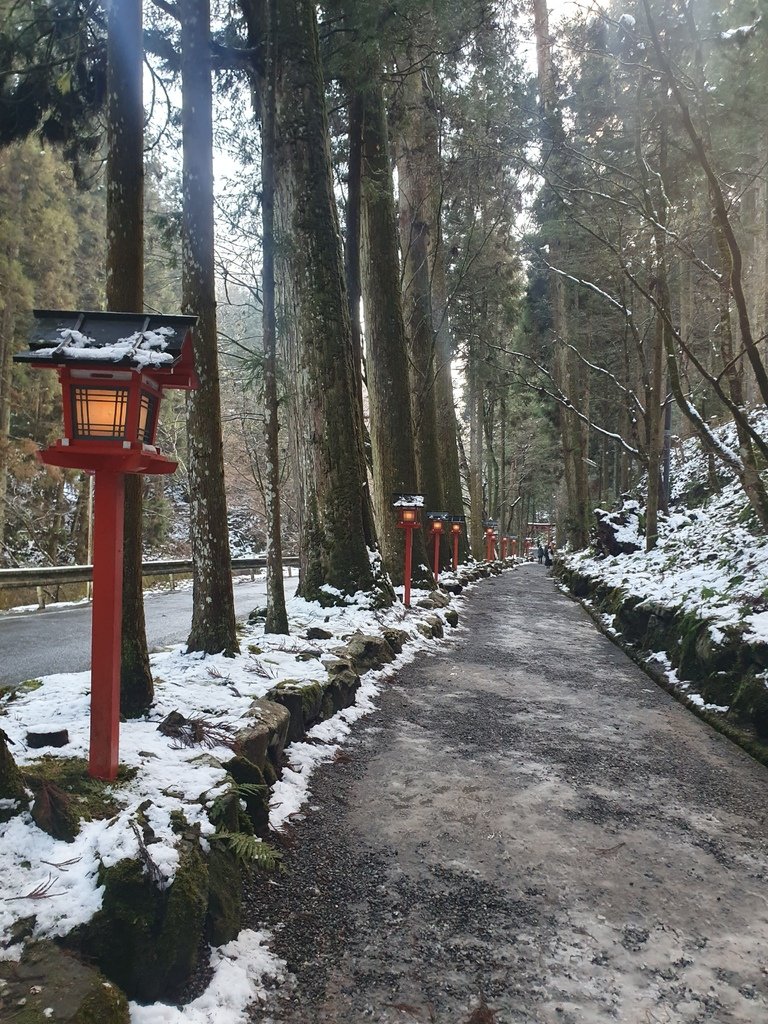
710, 558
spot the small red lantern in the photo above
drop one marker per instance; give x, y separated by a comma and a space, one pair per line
409, 508
113, 369
436, 530
457, 525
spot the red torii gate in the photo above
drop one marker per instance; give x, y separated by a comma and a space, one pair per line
539, 528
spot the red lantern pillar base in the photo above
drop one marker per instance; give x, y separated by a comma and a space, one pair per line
455, 551
437, 556
109, 496
407, 568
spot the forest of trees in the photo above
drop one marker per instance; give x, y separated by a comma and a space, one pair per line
483, 251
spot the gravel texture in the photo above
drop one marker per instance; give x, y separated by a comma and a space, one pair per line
528, 830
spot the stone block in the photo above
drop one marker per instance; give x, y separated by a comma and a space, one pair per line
52, 984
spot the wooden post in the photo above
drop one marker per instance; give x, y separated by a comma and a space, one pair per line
107, 623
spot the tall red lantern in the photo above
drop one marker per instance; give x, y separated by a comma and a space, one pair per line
457, 525
437, 522
408, 508
113, 369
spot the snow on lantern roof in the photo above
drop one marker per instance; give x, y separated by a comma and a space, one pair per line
141, 341
408, 501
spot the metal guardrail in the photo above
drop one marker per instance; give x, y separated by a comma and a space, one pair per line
51, 575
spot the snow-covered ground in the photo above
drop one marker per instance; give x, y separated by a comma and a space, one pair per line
169, 777
711, 557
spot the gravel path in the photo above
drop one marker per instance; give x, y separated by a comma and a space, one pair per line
528, 830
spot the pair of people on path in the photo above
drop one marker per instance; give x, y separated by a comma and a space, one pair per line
546, 554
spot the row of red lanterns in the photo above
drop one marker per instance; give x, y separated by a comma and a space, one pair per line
409, 508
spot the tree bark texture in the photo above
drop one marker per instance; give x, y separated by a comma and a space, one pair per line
125, 293
445, 404
213, 610
476, 504
392, 436
314, 320
414, 128
277, 617
6, 376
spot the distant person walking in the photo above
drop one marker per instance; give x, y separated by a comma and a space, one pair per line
541, 553
547, 556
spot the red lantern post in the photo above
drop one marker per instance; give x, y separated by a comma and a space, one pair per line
113, 369
457, 525
504, 548
436, 530
514, 547
409, 519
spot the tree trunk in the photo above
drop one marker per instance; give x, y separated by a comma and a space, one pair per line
213, 609
6, 377
445, 405
414, 131
334, 498
125, 293
392, 436
477, 511
277, 616
570, 427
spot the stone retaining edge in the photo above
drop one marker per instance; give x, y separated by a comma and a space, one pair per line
738, 736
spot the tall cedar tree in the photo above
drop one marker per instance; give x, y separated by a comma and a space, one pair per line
314, 321
575, 443
373, 249
125, 293
213, 609
277, 617
415, 137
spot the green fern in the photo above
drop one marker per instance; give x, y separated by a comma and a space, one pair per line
249, 849
241, 790
245, 789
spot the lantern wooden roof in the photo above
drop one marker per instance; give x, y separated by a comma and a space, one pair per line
160, 346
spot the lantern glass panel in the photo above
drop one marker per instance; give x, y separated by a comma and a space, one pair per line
409, 515
99, 413
147, 417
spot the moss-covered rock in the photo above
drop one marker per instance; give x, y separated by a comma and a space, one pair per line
51, 984
396, 638
183, 921
451, 616
339, 693
225, 896
303, 701
436, 625
684, 658
265, 735
750, 702
145, 939
246, 773
366, 652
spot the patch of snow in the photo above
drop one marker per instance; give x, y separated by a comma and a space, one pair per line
240, 970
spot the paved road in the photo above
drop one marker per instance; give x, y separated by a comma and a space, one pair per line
57, 639
529, 830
